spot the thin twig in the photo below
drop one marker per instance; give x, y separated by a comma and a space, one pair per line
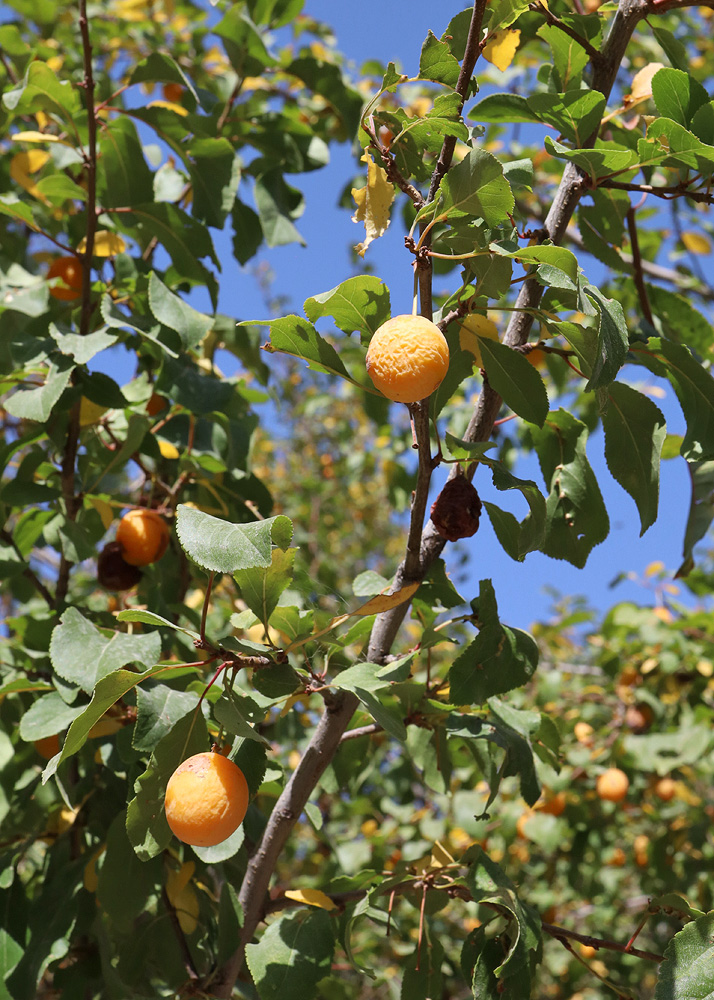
593, 53
667, 192
638, 276
562, 934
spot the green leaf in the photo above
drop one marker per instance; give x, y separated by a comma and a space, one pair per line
576, 518
82, 349
227, 711
278, 204
37, 403
248, 233
124, 178
171, 310
507, 108
215, 175
422, 977
261, 587
121, 867
681, 320
360, 303
476, 186
293, 955
516, 381
150, 618
703, 123
635, 430
701, 511
612, 342
679, 147
244, 45
675, 51
688, 967
48, 715
161, 67
606, 158
83, 654
489, 883
146, 824
184, 238
505, 12
576, 114
498, 660
294, 335
677, 95
108, 690
158, 709
222, 547
569, 56
437, 63
694, 388
42, 91
554, 256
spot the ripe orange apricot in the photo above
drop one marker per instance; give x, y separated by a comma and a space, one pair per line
407, 358
553, 805
172, 92
612, 785
48, 746
665, 789
583, 733
143, 535
206, 799
156, 404
69, 272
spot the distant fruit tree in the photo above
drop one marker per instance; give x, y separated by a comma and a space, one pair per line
262, 733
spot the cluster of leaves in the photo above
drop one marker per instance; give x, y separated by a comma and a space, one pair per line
401, 793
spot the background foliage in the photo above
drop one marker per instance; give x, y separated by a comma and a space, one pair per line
425, 819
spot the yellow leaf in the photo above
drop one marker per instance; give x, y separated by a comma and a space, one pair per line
167, 449
697, 243
473, 327
313, 897
106, 244
642, 83
501, 47
182, 896
439, 857
102, 508
373, 203
91, 879
176, 108
654, 567
34, 137
89, 412
26, 163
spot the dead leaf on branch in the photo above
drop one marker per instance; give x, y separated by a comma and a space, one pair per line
373, 203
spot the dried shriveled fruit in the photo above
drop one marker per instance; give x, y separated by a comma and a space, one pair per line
456, 510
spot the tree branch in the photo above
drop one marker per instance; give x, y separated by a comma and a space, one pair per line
667, 192
639, 277
551, 18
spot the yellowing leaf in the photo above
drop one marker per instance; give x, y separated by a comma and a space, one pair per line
34, 137
438, 858
642, 83
697, 243
313, 897
91, 879
373, 203
106, 244
501, 47
89, 412
176, 108
22, 165
182, 896
473, 327
104, 509
167, 449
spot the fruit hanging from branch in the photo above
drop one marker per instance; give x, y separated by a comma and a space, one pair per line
407, 358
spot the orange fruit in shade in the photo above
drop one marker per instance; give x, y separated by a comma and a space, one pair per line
206, 799
156, 404
143, 536
583, 733
612, 785
48, 746
69, 287
553, 805
407, 358
665, 789
172, 92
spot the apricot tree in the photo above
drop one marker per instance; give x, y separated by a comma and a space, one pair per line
421, 779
